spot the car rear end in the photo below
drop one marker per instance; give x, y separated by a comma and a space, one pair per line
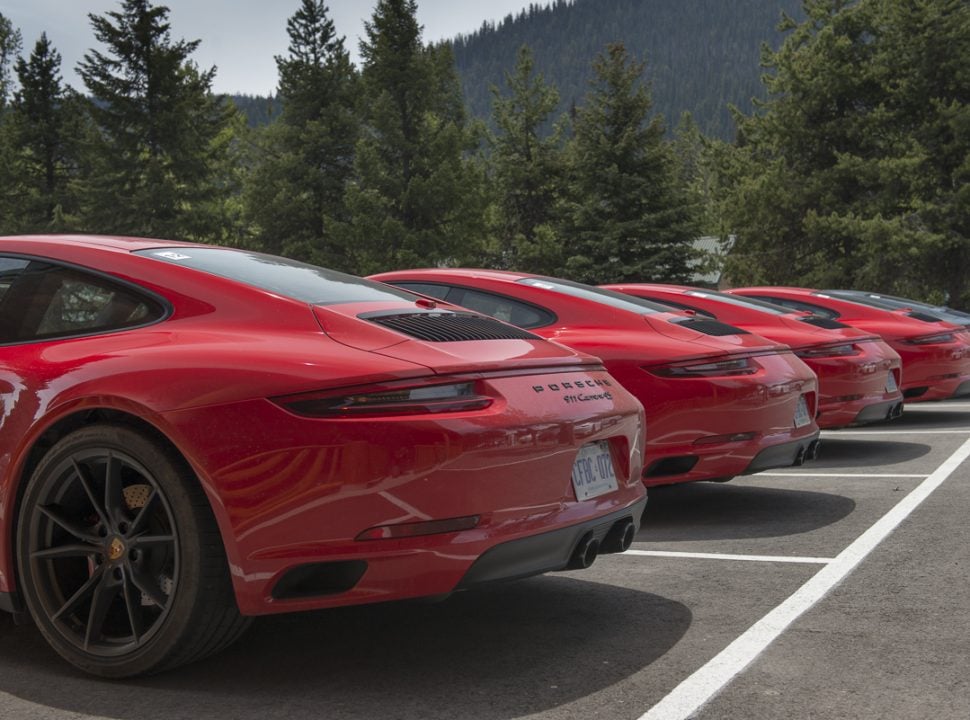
726, 415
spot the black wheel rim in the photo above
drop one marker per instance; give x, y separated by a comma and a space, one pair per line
103, 552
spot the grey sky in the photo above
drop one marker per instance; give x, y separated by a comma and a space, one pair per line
240, 37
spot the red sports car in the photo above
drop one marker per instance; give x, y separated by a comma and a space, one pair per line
720, 401
193, 434
935, 354
858, 373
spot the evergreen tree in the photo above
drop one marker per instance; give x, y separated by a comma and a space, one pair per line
854, 172
296, 194
162, 135
45, 120
527, 167
10, 43
417, 194
628, 219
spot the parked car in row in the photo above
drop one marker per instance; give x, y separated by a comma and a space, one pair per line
191, 435
858, 373
891, 302
935, 354
720, 401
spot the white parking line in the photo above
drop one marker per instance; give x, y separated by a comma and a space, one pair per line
725, 556
837, 433
848, 475
700, 687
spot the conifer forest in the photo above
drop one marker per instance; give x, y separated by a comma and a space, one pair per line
588, 139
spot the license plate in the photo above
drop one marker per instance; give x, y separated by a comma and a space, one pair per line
593, 471
891, 385
802, 417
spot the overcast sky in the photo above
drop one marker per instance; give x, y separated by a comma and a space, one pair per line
240, 37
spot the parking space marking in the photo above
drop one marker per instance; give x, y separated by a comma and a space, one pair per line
706, 682
837, 433
840, 475
726, 556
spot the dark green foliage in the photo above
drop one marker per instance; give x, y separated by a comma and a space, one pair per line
527, 170
161, 136
855, 171
627, 218
259, 110
702, 54
295, 195
10, 44
416, 197
44, 123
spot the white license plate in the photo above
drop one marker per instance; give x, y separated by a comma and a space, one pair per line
593, 471
891, 385
802, 418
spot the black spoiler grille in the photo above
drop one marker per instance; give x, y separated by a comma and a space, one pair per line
710, 327
823, 322
448, 326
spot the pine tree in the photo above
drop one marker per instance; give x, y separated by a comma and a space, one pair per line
162, 135
854, 172
45, 121
296, 194
10, 43
527, 165
416, 196
628, 217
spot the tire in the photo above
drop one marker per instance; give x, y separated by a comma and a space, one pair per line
121, 564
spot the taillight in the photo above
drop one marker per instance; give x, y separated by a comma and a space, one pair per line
934, 339
719, 368
824, 351
388, 400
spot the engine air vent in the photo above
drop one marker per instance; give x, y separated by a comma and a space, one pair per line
710, 327
823, 322
925, 317
448, 326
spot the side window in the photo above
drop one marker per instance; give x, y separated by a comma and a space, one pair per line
10, 268
503, 308
798, 305
47, 301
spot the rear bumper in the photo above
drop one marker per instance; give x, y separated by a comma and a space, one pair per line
546, 552
785, 455
879, 412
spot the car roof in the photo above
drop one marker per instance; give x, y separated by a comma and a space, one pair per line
115, 242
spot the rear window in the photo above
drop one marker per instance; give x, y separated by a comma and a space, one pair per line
740, 301
597, 295
290, 278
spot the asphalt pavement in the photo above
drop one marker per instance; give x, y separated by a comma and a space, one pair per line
834, 590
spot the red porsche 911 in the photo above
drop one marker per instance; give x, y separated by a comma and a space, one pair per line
935, 354
720, 401
192, 435
858, 373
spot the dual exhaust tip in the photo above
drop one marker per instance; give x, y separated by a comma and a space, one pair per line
618, 539
807, 453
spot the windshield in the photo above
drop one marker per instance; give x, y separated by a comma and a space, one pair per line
290, 278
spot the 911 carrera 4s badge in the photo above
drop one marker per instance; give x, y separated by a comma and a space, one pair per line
593, 473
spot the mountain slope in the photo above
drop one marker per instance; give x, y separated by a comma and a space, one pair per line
701, 55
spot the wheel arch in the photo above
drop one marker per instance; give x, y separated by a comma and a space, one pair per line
41, 444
